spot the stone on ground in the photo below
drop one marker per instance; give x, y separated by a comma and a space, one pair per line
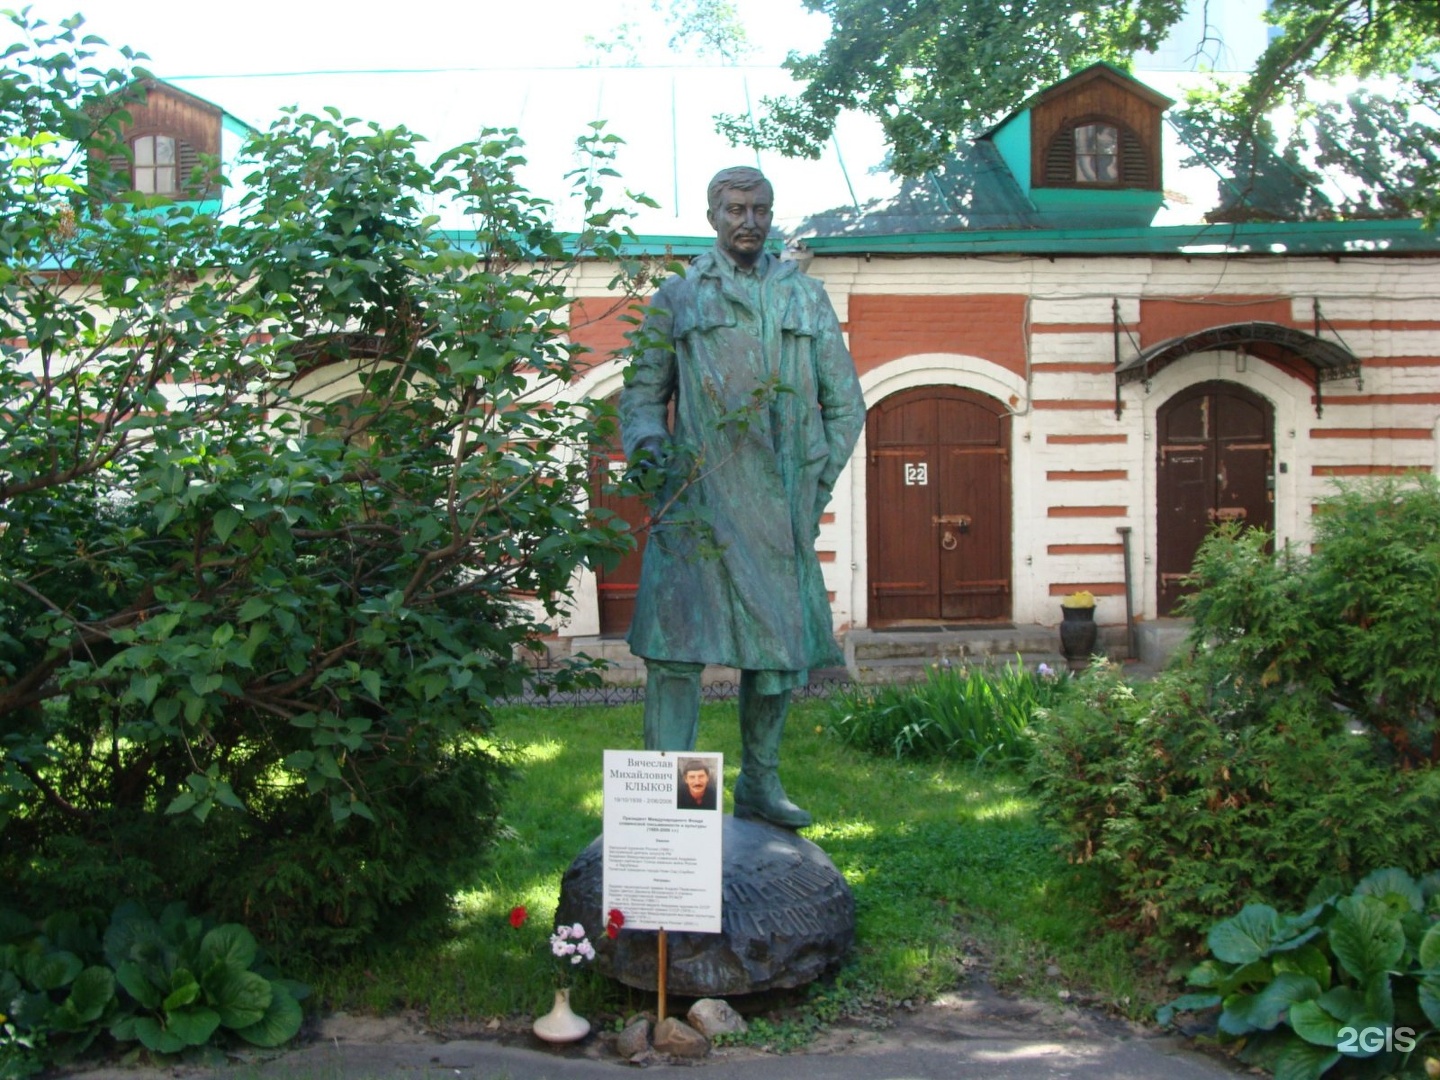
711, 1017
679, 1039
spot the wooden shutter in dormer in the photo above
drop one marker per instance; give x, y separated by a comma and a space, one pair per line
1060, 158
1134, 162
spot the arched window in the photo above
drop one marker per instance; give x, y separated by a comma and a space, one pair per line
1097, 152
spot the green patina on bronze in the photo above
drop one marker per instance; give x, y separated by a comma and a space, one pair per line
762, 477
767, 408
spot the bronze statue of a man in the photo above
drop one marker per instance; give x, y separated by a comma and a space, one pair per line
767, 408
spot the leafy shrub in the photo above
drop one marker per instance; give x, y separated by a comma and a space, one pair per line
1356, 621
1352, 984
971, 714
249, 636
1190, 794
170, 984
1292, 742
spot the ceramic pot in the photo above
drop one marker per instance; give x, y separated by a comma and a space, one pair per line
560, 1025
1078, 633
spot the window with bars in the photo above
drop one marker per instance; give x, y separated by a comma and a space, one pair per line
1097, 153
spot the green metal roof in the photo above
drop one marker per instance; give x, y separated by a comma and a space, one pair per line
1358, 237
649, 244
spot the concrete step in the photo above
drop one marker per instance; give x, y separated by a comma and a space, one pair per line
960, 644
883, 656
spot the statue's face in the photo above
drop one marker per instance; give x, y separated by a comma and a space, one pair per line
742, 221
697, 780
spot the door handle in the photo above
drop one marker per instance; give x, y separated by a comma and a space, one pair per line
960, 521
1227, 513
948, 541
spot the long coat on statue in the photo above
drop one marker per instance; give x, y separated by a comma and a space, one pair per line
767, 411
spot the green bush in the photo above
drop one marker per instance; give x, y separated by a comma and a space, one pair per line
1357, 621
1190, 794
1292, 742
250, 640
170, 984
1352, 984
971, 714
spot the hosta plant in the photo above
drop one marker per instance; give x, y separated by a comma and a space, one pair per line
1350, 987
168, 984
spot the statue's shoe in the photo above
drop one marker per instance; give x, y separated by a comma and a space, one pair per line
767, 801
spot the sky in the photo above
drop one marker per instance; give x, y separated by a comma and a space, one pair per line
259, 36
445, 68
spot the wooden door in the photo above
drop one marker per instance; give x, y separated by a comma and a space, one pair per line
618, 585
938, 507
1216, 461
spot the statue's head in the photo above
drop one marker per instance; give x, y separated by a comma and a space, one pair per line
741, 207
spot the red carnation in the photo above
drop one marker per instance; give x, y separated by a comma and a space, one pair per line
518, 915
613, 922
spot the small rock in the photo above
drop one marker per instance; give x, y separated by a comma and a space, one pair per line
1053, 971
712, 1016
679, 1039
1063, 995
493, 1025
635, 1039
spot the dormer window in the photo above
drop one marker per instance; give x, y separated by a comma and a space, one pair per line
1093, 136
1099, 152
154, 171
167, 135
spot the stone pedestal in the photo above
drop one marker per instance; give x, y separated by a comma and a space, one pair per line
788, 916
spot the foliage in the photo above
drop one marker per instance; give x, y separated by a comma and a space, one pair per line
1293, 742
1356, 621
939, 71
1350, 985
1200, 789
712, 25
966, 714
251, 613
934, 72
169, 984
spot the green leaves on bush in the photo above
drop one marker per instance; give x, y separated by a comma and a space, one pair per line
1351, 978
251, 633
1294, 742
170, 984
1357, 621
1188, 794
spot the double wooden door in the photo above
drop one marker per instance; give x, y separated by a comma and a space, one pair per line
938, 507
1216, 465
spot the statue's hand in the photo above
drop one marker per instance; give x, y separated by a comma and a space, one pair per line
647, 465
822, 500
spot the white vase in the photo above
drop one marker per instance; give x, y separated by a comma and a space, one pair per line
560, 1025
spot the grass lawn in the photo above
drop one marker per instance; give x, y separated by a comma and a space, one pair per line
949, 868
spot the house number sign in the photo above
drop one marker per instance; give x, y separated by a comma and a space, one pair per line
917, 473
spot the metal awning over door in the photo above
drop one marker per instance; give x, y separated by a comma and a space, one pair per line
1328, 360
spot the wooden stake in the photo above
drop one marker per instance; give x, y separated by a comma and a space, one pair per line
663, 963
